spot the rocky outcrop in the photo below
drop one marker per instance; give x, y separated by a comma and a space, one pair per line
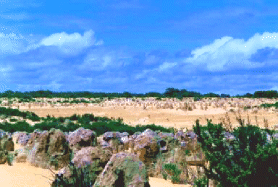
123, 170
88, 155
21, 138
49, 149
6, 147
81, 138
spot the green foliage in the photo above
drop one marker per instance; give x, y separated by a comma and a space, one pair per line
13, 120
18, 126
66, 124
10, 158
248, 160
267, 105
15, 112
173, 171
201, 182
80, 176
164, 175
169, 92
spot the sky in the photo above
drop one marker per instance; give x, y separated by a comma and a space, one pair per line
139, 46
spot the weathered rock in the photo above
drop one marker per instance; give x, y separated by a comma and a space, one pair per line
146, 147
164, 135
58, 149
8, 144
125, 141
81, 138
3, 156
21, 138
87, 155
123, 170
50, 149
180, 136
87, 163
34, 136
38, 154
191, 135
107, 136
149, 132
135, 135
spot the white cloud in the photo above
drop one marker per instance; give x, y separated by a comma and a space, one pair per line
228, 52
71, 43
166, 66
163, 68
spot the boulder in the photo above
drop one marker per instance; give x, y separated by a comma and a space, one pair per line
81, 138
191, 135
50, 149
115, 140
180, 136
8, 144
34, 136
87, 155
58, 148
123, 170
165, 135
107, 136
149, 132
3, 156
87, 163
22, 138
146, 147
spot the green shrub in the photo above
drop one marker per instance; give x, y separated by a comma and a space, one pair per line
10, 158
165, 175
80, 177
248, 160
201, 182
267, 105
13, 120
173, 171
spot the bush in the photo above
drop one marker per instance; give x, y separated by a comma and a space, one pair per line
267, 105
248, 160
173, 171
80, 177
10, 159
201, 182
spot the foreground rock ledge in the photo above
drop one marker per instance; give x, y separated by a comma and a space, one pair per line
123, 170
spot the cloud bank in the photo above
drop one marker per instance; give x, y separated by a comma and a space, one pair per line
227, 53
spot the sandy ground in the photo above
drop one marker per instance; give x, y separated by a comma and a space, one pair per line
166, 117
25, 175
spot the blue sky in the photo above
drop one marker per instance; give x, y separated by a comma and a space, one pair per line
139, 46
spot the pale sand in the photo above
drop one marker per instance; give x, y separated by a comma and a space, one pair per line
25, 175
166, 117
